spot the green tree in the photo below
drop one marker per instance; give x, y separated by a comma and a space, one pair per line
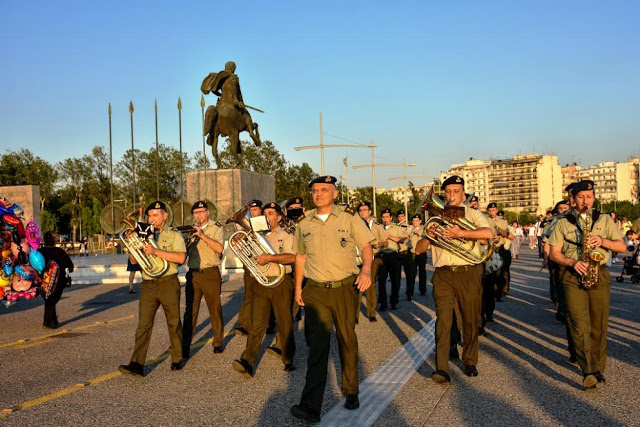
23, 168
48, 221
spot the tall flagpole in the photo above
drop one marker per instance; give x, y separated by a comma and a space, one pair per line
157, 155
204, 150
133, 157
181, 161
113, 210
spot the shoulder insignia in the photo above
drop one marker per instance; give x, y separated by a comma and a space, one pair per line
349, 210
218, 224
300, 218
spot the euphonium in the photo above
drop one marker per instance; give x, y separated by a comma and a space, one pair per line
439, 220
152, 265
247, 245
590, 256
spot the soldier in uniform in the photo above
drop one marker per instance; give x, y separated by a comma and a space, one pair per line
364, 210
456, 281
243, 324
419, 261
390, 263
273, 298
204, 261
405, 257
502, 245
474, 202
163, 290
325, 243
587, 308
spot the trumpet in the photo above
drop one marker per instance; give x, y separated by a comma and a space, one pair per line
442, 216
190, 230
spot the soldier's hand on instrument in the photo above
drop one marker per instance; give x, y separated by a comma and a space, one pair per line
453, 232
580, 267
198, 231
149, 250
363, 281
298, 297
431, 231
595, 241
263, 259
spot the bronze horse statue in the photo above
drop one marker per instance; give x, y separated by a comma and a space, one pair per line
229, 116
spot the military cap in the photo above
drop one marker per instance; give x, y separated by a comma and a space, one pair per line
453, 179
492, 205
561, 202
586, 185
387, 210
400, 212
569, 187
367, 204
327, 179
294, 201
474, 198
158, 204
274, 206
416, 216
198, 205
500, 213
254, 203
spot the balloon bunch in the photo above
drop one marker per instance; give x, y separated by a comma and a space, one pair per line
22, 266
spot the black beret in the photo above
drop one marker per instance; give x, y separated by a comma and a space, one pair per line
586, 185
387, 210
569, 187
326, 179
294, 201
500, 213
400, 212
254, 203
367, 204
416, 216
561, 202
454, 179
199, 204
474, 198
492, 205
273, 205
156, 205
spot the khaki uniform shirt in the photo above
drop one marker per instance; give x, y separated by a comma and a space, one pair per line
406, 233
392, 230
413, 240
441, 257
378, 233
282, 243
330, 246
170, 241
569, 238
504, 225
201, 256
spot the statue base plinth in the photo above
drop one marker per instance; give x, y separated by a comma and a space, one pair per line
27, 196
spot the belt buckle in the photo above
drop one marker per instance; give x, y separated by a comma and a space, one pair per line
328, 285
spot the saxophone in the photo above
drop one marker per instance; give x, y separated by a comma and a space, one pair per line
591, 256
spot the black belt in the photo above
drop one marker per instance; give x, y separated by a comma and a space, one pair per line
162, 279
330, 285
458, 267
403, 252
202, 270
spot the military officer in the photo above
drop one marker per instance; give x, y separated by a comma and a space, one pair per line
325, 242
243, 323
405, 255
277, 298
294, 210
163, 290
390, 263
474, 202
587, 306
420, 261
364, 210
502, 245
204, 262
457, 281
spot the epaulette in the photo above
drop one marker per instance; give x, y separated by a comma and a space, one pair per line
300, 218
350, 211
218, 224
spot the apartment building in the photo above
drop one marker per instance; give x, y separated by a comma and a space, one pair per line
614, 180
525, 183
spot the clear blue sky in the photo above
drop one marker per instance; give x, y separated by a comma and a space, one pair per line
437, 82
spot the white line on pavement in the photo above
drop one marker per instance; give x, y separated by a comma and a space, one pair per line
377, 391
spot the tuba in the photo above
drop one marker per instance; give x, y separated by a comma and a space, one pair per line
248, 244
152, 265
590, 256
441, 217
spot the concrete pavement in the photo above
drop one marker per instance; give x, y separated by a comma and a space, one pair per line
69, 376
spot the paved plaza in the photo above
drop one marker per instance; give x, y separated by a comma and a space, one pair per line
70, 376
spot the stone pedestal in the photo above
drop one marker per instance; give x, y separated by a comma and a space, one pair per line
27, 196
229, 189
